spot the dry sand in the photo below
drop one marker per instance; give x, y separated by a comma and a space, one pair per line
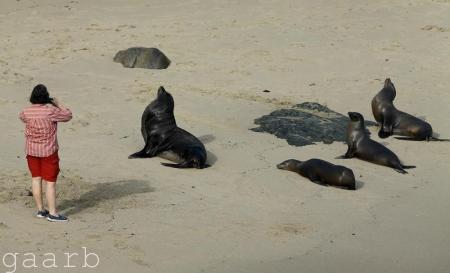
242, 214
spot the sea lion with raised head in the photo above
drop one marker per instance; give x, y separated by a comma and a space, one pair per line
361, 146
162, 136
321, 172
395, 122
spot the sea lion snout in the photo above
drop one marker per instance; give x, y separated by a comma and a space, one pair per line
389, 85
387, 82
119, 56
282, 165
288, 164
165, 99
355, 116
161, 91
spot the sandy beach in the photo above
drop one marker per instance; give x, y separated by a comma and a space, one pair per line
241, 215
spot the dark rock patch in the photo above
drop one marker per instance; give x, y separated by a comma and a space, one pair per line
305, 124
141, 57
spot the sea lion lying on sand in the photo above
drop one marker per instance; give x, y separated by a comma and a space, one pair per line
321, 172
141, 57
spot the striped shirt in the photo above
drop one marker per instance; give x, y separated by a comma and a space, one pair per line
40, 128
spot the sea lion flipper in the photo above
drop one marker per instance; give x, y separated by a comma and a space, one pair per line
349, 154
185, 165
148, 151
383, 134
427, 139
140, 154
153, 151
386, 129
401, 168
407, 138
133, 62
316, 180
400, 171
386, 124
153, 145
182, 165
437, 139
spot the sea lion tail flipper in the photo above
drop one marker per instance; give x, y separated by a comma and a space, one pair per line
407, 138
436, 137
400, 170
182, 165
428, 139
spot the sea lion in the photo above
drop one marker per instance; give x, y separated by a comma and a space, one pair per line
141, 57
163, 137
321, 172
395, 122
361, 146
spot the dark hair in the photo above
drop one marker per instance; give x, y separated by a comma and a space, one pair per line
40, 95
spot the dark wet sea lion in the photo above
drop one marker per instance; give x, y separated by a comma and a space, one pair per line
162, 136
142, 57
321, 172
395, 122
361, 146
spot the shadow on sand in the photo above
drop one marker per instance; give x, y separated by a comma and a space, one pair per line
104, 192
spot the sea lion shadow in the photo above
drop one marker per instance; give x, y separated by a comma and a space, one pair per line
205, 139
211, 158
359, 184
104, 192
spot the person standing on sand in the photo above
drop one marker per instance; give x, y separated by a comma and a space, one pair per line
41, 147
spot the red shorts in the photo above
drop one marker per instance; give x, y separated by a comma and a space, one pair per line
45, 167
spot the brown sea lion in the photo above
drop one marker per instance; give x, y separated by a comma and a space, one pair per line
321, 172
141, 57
395, 122
361, 146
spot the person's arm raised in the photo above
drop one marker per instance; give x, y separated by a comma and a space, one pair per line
61, 113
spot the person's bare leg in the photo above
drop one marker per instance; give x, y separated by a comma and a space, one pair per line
50, 193
36, 188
